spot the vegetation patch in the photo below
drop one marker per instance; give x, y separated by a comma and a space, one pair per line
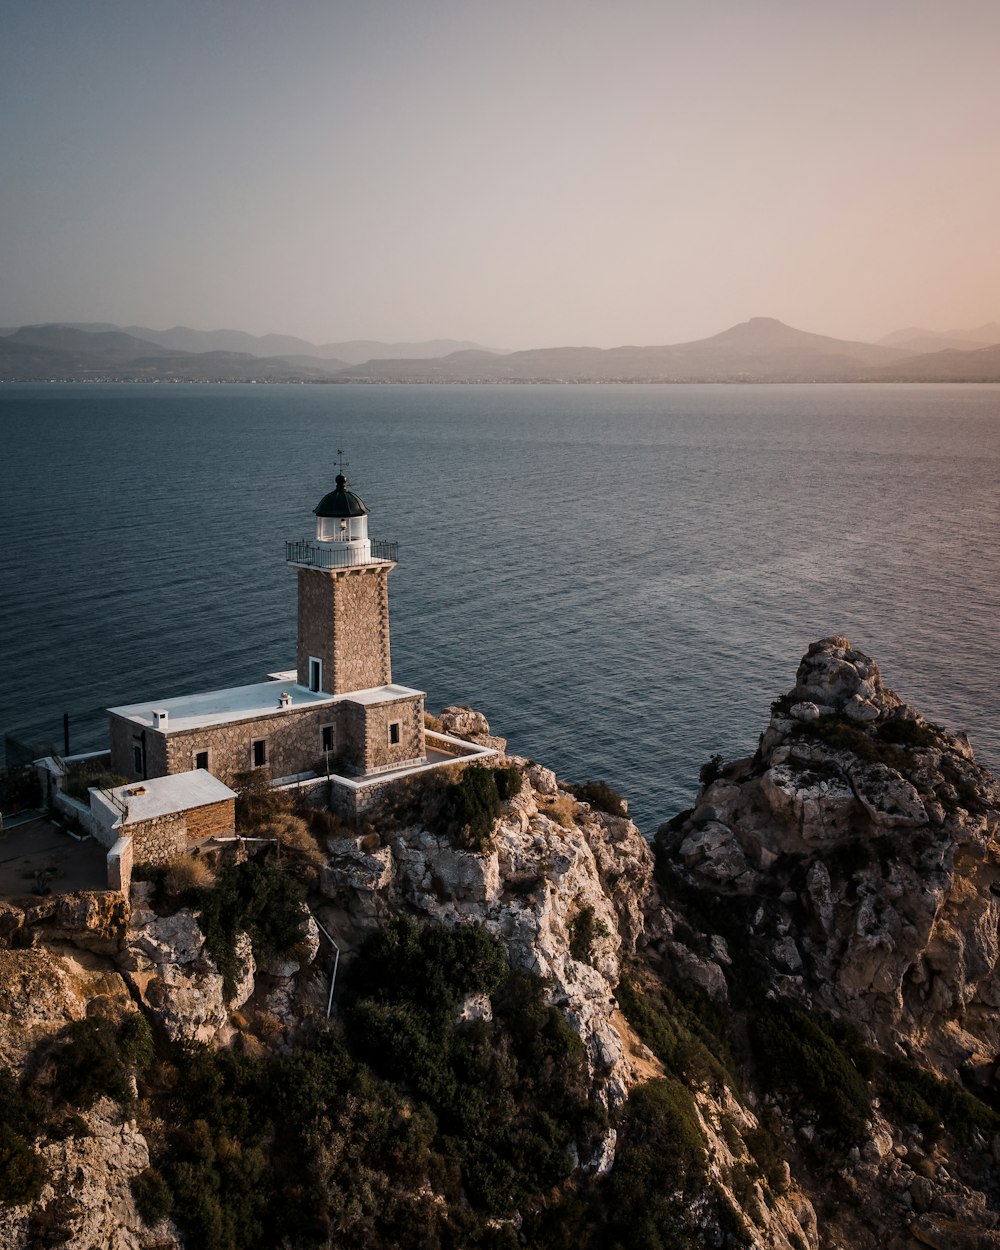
508, 1096
659, 1165
98, 1057
689, 1035
21, 1171
600, 795
584, 928
934, 1105
260, 899
798, 1055
467, 809
508, 782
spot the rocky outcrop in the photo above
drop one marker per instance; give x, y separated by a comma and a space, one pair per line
853, 864
466, 722
42, 991
562, 884
86, 1202
94, 920
169, 969
881, 829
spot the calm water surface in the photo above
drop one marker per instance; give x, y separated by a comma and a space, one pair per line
621, 578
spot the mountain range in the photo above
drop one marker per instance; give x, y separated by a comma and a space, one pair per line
759, 350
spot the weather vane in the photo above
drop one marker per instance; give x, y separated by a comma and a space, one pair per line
342, 464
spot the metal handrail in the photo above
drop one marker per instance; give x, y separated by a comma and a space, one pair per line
329, 557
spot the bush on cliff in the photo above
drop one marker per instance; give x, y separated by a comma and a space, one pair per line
661, 1162
21, 1172
798, 1055
600, 795
508, 1095
258, 898
467, 809
96, 1056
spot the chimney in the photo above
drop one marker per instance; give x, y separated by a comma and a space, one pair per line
160, 719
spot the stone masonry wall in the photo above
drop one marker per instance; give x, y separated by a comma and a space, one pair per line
155, 841
211, 820
126, 734
351, 737
294, 740
378, 751
343, 619
315, 624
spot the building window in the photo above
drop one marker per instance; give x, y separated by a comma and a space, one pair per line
137, 759
328, 737
315, 674
260, 753
201, 760
394, 733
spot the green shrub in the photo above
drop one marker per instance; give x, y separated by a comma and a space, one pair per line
840, 733
508, 782
469, 808
260, 899
766, 1145
96, 1057
798, 1055
600, 795
153, 1197
660, 1163
711, 770
935, 1105
689, 1034
21, 1172
256, 802
582, 931
508, 1096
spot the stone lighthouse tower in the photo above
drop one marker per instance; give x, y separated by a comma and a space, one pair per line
343, 610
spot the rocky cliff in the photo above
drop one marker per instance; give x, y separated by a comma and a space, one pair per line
786, 1017
852, 865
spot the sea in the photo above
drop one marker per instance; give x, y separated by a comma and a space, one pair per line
622, 578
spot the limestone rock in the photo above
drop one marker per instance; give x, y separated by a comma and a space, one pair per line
87, 1203
834, 674
184, 990
175, 939
464, 722
42, 992
528, 889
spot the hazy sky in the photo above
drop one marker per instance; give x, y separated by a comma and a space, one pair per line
521, 173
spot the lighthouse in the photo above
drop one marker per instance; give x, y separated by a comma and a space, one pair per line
343, 598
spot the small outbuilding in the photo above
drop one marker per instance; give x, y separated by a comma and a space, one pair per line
164, 816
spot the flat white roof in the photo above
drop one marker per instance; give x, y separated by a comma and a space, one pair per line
263, 698
162, 796
380, 694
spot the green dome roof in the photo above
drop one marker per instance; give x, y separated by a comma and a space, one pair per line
341, 502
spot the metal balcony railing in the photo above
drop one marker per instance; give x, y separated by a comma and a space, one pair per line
321, 556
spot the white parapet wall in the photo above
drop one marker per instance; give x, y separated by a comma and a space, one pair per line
120, 865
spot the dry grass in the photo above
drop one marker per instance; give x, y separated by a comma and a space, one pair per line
294, 835
186, 872
558, 807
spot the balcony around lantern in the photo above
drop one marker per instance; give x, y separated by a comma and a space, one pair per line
340, 555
